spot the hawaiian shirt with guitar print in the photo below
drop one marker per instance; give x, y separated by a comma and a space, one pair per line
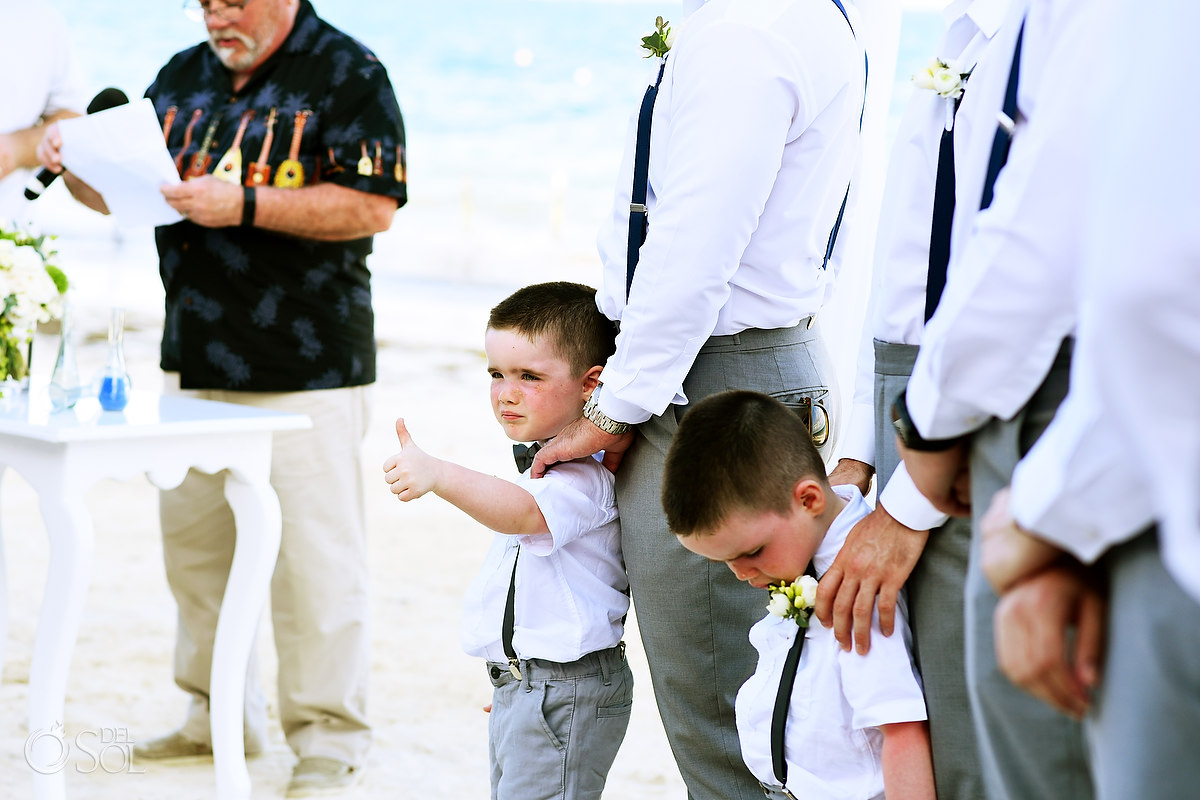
247, 309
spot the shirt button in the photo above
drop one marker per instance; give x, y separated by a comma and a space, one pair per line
184, 246
187, 301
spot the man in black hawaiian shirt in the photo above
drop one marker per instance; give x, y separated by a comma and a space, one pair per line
291, 144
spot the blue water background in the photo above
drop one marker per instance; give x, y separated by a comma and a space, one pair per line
516, 114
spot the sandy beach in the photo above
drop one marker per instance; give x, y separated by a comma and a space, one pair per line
426, 696
510, 194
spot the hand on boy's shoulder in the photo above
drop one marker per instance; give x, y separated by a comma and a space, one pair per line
410, 472
581, 439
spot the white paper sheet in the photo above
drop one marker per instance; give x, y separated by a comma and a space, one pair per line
121, 154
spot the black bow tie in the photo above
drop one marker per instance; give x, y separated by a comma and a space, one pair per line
523, 455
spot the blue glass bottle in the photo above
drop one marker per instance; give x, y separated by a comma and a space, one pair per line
114, 381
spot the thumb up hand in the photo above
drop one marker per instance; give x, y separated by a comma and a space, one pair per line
411, 472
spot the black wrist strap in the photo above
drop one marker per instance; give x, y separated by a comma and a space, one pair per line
906, 429
249, 206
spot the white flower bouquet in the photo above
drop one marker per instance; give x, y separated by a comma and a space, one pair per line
794, 600
31, 291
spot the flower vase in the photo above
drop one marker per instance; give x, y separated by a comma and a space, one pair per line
114, 380
65, 388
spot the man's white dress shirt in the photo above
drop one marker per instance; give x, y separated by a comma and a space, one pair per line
1010, 298
896, 312
1124, 449
40, 78
571, 593
755, 136
832, 744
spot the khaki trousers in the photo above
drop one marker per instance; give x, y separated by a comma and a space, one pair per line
319, 592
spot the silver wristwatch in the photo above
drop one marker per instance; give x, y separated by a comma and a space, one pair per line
593, 414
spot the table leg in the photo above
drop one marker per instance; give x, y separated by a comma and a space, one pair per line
72, 542
256, 511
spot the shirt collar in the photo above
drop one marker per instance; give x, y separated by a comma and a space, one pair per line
855, 509
692, 5
986, 14
299, 38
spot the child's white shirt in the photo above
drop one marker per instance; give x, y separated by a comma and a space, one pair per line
832, 744
572, 589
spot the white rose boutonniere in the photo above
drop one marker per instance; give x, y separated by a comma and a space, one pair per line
944, 77
794, 600
658, 43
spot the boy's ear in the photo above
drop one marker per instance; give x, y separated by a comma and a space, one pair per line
809, 495
591, 379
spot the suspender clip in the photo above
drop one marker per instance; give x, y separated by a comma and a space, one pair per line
637, 208
1006, 122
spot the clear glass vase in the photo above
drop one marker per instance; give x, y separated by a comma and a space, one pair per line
65, 388
113, 391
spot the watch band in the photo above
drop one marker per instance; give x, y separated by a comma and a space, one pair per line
249, 206
908, 433
593, 414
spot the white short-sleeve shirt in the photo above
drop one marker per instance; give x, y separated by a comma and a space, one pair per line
832, 744
40, 78
571, 586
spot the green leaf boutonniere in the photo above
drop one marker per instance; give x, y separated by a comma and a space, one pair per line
659, 42
794, 600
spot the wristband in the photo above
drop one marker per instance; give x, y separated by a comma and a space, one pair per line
249, 204
908, 433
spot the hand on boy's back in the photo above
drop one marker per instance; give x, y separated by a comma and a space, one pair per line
869, 571
581, 439
412, 472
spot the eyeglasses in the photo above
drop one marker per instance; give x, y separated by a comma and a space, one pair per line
227, 12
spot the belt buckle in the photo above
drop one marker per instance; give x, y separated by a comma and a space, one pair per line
813, 414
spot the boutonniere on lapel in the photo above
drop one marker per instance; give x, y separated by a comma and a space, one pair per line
945, 78
794, 600
658, 43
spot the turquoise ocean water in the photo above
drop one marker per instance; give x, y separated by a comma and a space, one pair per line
516, 113
485, 86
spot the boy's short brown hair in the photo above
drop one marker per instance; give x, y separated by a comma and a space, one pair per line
566, 315
735, 451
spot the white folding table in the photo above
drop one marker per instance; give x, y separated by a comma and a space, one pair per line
61, 455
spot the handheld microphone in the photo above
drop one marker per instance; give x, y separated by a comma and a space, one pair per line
106, 99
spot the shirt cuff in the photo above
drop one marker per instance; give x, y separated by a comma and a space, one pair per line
858, 440
617, 409
937, 416
1085, 527
907, 505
